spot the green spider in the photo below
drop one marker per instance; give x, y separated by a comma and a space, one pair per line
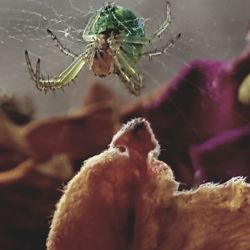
115, 41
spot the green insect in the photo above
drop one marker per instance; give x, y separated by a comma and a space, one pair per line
115, 41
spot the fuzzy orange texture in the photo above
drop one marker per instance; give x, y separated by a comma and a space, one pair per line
125, 198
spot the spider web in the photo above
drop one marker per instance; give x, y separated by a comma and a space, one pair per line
210, 30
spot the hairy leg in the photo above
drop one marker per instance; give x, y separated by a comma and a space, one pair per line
134, 85
58, 44
164, 25
62, 79
163, 50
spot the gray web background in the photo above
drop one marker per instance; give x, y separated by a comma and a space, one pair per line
213, 29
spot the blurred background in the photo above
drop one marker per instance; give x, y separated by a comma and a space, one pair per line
47, 154
210, 30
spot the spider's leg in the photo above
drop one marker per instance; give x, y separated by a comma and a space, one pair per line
91, 21
128, 41
124, 63
29, 66
129, 44
37, 74
61, 47
129, 68
163, 50
61, 80
89, 38
127, 73
165, 23
137, 40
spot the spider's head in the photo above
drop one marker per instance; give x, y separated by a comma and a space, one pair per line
102, 63
108, 7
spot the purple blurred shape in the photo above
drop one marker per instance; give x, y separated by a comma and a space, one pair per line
199, 112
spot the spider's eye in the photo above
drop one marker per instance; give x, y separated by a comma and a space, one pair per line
99, 54
102, 13
108, 8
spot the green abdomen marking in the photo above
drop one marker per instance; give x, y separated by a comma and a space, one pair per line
123, 21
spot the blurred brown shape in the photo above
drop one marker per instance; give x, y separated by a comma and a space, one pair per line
125, 198
20, 110
13, 146
37, 158
80, 134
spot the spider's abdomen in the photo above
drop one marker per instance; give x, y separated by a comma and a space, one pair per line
117, 18
122, 21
